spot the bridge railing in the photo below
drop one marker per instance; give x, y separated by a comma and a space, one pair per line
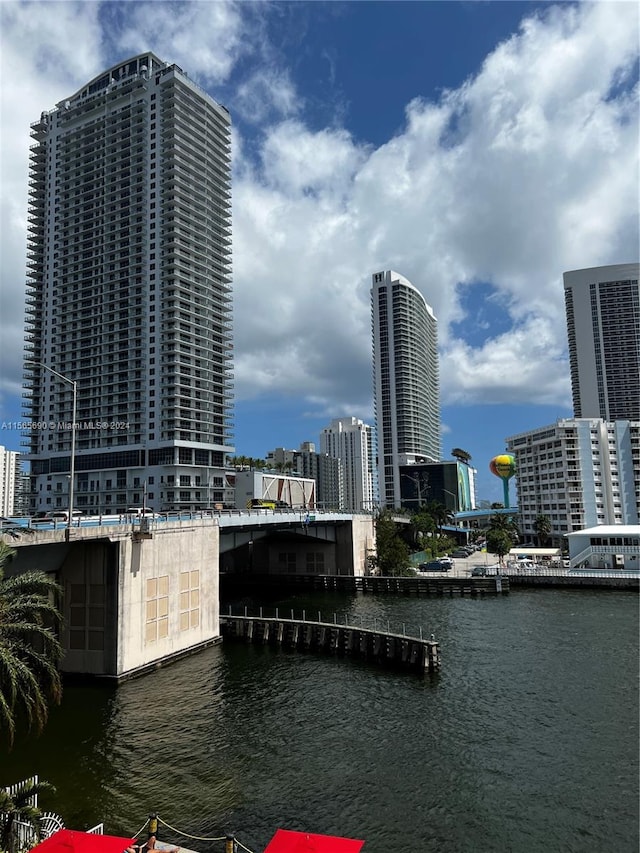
154, 519
543, 571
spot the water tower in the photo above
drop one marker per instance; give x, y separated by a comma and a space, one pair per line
504, 467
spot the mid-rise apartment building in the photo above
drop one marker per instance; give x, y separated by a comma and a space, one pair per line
580, 473
129, 293
406, 380
327, 472
9, 480
350, 441
603, 325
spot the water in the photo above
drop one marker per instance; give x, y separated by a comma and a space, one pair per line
527, 740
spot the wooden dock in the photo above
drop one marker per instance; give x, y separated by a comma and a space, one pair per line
385, 648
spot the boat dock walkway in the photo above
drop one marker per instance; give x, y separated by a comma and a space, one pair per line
383, 647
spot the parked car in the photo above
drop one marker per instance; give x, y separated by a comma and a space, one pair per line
479, 572
434, 566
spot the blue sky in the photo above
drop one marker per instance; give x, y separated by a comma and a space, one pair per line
478, 148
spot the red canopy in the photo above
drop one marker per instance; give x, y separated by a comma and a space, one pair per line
287, 841
71, 841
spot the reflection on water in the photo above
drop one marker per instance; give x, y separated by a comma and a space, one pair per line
527, 741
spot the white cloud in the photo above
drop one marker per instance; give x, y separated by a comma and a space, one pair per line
39, 64
527, 170
527, 359
264, 93
205, 39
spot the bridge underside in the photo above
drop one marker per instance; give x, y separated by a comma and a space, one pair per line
317, 549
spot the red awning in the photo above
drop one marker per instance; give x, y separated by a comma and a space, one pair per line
72, 841
287, 841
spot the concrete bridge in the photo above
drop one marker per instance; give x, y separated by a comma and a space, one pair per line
140, 592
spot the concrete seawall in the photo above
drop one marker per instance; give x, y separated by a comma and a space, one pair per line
575, 582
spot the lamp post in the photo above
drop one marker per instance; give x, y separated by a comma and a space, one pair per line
72, 471
455, 499
420, 481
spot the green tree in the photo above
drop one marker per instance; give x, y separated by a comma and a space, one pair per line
542, 527
392, 557
18, 807
440, 514
506, 523
29, 649
423, 528
499, 543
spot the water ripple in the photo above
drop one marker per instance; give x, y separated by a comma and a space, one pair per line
527, 741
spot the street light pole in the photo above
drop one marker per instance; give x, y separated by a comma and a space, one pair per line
414, 480
455, 499
72, 471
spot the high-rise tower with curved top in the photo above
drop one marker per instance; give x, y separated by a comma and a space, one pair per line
406, 380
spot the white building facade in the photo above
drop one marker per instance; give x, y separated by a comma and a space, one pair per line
580, 473
603, 325
349, 440
129, 293
406, 380
9, 478
606, 547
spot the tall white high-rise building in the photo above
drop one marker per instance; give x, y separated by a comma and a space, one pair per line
406, 380
9, 477
129, 293
580, 473
350, 441
603, 325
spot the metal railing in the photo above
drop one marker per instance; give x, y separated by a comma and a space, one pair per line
26, 835
345, 620
543, 571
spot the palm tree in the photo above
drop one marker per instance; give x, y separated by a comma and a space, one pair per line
29, 649
17, 805
542, 527
506, 523
440, 514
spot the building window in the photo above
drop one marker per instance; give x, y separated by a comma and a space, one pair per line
287, 562
315, 563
